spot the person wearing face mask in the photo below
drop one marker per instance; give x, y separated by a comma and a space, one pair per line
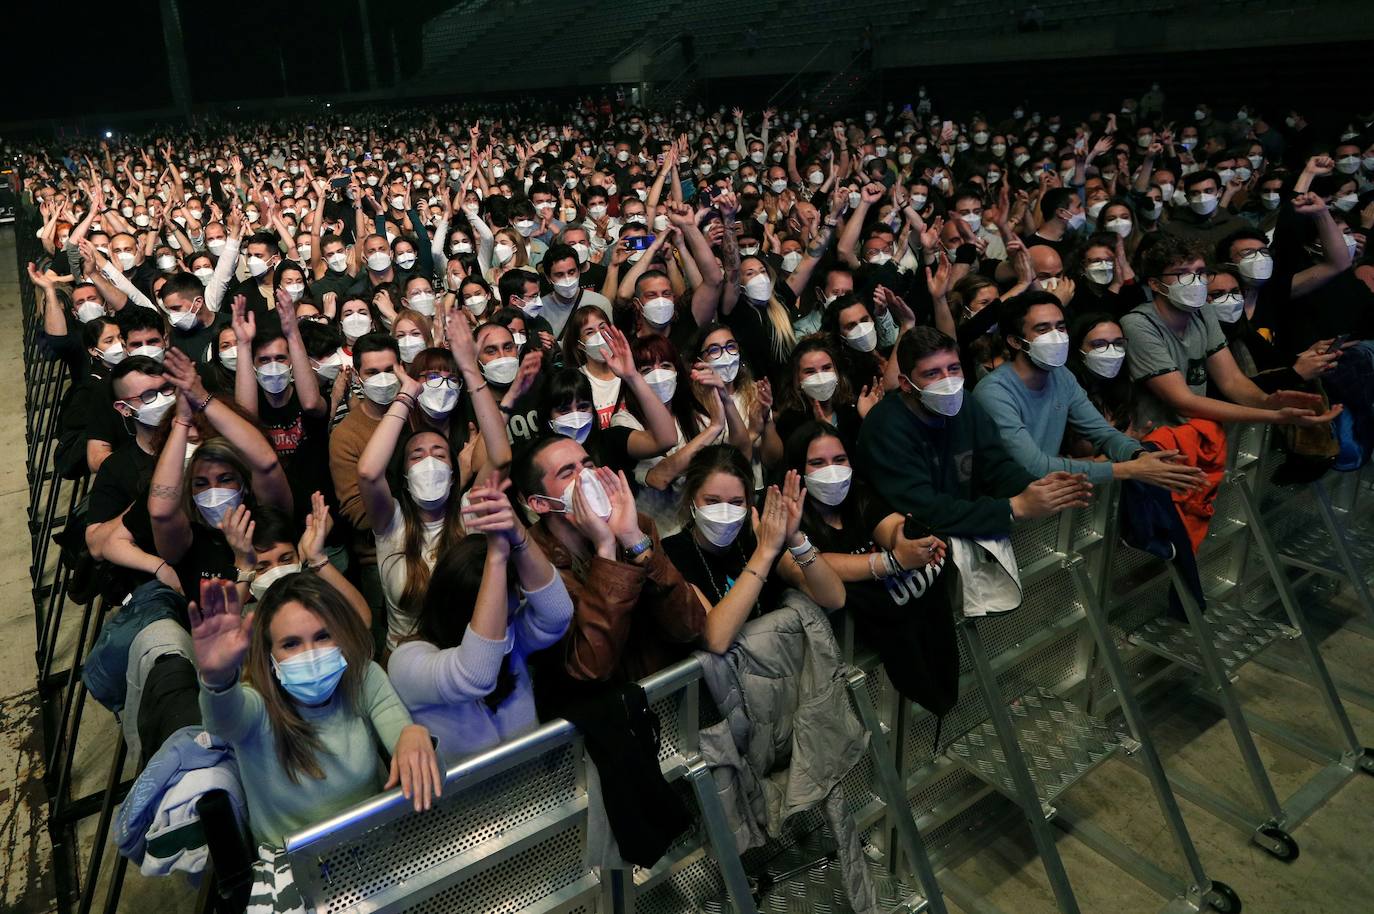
266, 550
193, 324
1105, 280
465, 672
703, 414
1097, 358
817, 389
1062, 215
729, 561
633, 614
279, 393
935, 454
418, 521
894, 589
1203, 220
1177, 348
264, 254
303, 656
564, 273
194, 492
377, 365
1034, 401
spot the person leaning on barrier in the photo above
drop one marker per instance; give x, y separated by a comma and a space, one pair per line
936, 456
1033, 400
1176, 348
634, 614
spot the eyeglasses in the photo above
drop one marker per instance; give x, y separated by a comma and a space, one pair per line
435, 380
1185, 279
715, 351
148, 396
1118, 344
1257, 252
1224, 295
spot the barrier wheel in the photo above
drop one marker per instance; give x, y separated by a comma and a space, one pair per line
1223, 898
1280, 844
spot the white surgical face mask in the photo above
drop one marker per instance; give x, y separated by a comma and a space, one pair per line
156, 353
216, 245
356, 324
295, 290
257, 266
428, 482
263, 582
89, 310
1100, 271
1121, 226
423, 302
1228, 307
113, 354
658, 310
501, 371
863, 336
1346, 202
1188, 298
726, 365
204, 274
821, 385
476, 304
663, 382
503, 252
596, 347
575, 425
182, 320
1348, 165
791, 260
1050, 350
166, 263
1256, 266
720, 523
568, 286
405, 260
759, 287
214, 504
1203, 204
378, 261
943, 397
410, 346
1270, 200
126, 260
1105, 363
381, 388
830, 484
329, 366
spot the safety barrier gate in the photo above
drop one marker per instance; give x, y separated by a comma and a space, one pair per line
1086, 648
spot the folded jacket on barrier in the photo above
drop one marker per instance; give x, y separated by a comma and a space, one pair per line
106, 668
1350, 382
788, 735
1202, 444
1151, 522
158, 825
159, 640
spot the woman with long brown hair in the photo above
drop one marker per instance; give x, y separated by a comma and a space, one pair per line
293, 688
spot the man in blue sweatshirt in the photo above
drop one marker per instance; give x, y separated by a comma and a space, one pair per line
1033, 399
938, 457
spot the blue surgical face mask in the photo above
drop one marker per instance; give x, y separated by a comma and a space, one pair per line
311, 676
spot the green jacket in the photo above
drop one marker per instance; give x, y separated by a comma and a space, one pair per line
956, 477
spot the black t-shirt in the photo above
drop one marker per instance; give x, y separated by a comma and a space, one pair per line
340, 284
847, 421
208, 556
756, 336
302, 445
714, 573
121, 481
195, 343
610, 448
106, 423
1063, 247
906, 618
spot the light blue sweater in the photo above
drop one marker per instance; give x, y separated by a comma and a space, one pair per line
446, 689
1032, 423
352, 768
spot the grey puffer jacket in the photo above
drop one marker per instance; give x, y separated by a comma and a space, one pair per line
789, 735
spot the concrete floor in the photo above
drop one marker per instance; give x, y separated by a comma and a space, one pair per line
1335, 872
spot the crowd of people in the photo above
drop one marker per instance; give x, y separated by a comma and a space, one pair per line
425, 422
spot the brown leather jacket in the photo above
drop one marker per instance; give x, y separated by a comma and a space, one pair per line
629, 621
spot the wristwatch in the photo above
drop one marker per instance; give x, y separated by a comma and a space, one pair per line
247, 577
639, 548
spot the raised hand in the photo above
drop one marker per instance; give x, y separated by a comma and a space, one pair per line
242, 320
618, 357
238, 526
770, 524
318, 523
220, 634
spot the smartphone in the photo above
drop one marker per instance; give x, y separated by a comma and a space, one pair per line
1337, 343
1048, 167
339, 182
638, 242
